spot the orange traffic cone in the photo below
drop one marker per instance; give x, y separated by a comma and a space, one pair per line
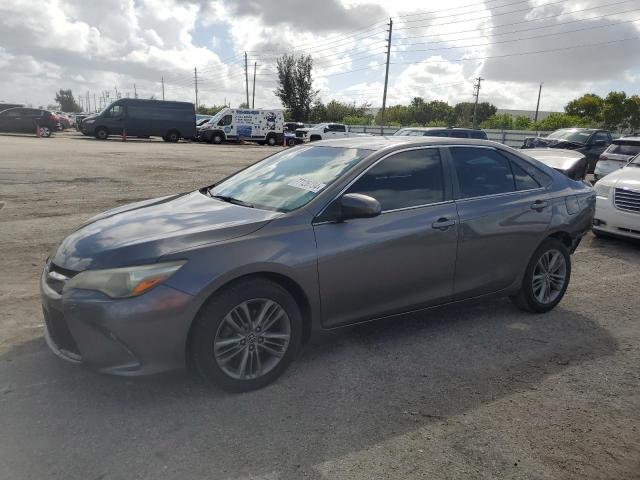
38, 134
124, 135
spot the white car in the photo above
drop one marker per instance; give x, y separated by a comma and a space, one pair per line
616, 156
618, 202
327, 131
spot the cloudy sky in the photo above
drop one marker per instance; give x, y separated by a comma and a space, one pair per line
437, 48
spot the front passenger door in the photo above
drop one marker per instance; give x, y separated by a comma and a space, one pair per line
401, 259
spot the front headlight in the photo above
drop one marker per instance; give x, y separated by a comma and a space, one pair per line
602, 190
125, 282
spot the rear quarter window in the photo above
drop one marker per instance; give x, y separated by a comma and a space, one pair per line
624, 148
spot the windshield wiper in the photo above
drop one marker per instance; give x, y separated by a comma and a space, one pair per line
227, 199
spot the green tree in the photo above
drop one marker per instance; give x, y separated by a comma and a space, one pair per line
522, 123
357, 120
503, 121
67, 103
212, 110
395, 115
464, 113
614, 111
632, 106
295, 85
561, 120
587, 106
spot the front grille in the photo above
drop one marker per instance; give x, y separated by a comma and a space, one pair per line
59, 331
627, 200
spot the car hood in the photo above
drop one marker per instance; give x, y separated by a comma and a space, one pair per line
558, 159
144, 231
627, 177
533, 142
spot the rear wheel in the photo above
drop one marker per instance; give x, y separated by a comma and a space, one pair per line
45, 132
102, 133
246, 336
172, 136
271, 140
546, 278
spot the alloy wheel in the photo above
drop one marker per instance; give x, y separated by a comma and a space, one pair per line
549, 276
252, 339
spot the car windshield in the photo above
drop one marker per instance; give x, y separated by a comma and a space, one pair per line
624, 148
289, 179
635, 161
575, 136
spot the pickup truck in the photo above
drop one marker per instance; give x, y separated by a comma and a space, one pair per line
324, 131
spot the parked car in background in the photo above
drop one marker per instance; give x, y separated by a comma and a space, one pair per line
6, 106
589, 141
25, 120
327, 131
233, 278
143, 118
199, 124
254, 125
618, 202
568, 162
290, 136
200, 117
293, 126
442, 132
616, 156
64, 121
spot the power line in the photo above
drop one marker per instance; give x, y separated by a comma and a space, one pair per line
545, 35
521, 22
541, 27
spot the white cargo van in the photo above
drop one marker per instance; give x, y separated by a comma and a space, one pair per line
261, 126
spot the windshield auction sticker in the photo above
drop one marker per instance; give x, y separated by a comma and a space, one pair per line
306, 184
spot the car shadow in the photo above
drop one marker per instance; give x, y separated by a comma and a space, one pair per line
348, 390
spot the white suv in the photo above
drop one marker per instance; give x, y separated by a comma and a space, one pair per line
616, 156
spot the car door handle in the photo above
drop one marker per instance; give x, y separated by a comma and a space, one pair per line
443, 223
539, 205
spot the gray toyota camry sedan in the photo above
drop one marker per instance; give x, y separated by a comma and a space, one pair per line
233, 278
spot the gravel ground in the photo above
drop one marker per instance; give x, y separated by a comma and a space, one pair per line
480, 390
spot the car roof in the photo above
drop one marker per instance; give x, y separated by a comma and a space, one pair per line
379, 142
626, 139
549, 153
430, 129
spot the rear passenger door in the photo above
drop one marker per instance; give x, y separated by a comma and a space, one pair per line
504, 214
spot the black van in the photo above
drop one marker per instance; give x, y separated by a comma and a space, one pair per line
143, 118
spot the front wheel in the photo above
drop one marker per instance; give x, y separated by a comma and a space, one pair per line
102, 133
173, 136
271, 141
45, 132
546, 278
246, 336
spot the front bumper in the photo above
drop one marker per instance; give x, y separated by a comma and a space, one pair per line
609, 219
133, 336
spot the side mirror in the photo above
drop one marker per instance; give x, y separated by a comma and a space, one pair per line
326, 129
357, 205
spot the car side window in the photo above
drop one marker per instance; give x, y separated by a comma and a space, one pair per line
481, 171
523, 180
406, 179
601, 137
226, 120
436, 133
478, 134
459, 134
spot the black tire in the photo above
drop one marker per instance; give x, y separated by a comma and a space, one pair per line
271, 140
291, 142
102, 133
172, 136
600, 234
216, 138
526, 299
45, 131
315, 138
211, 319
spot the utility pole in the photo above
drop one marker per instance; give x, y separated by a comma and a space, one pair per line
253, 100
476, 93
246, 77
135, 91
116, 90
95, 104
195, 76
88, 102
538, 105
386, 79
163, 88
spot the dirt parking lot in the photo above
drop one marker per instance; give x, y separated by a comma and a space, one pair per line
471, 391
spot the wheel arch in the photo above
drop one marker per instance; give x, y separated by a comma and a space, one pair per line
290, 285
